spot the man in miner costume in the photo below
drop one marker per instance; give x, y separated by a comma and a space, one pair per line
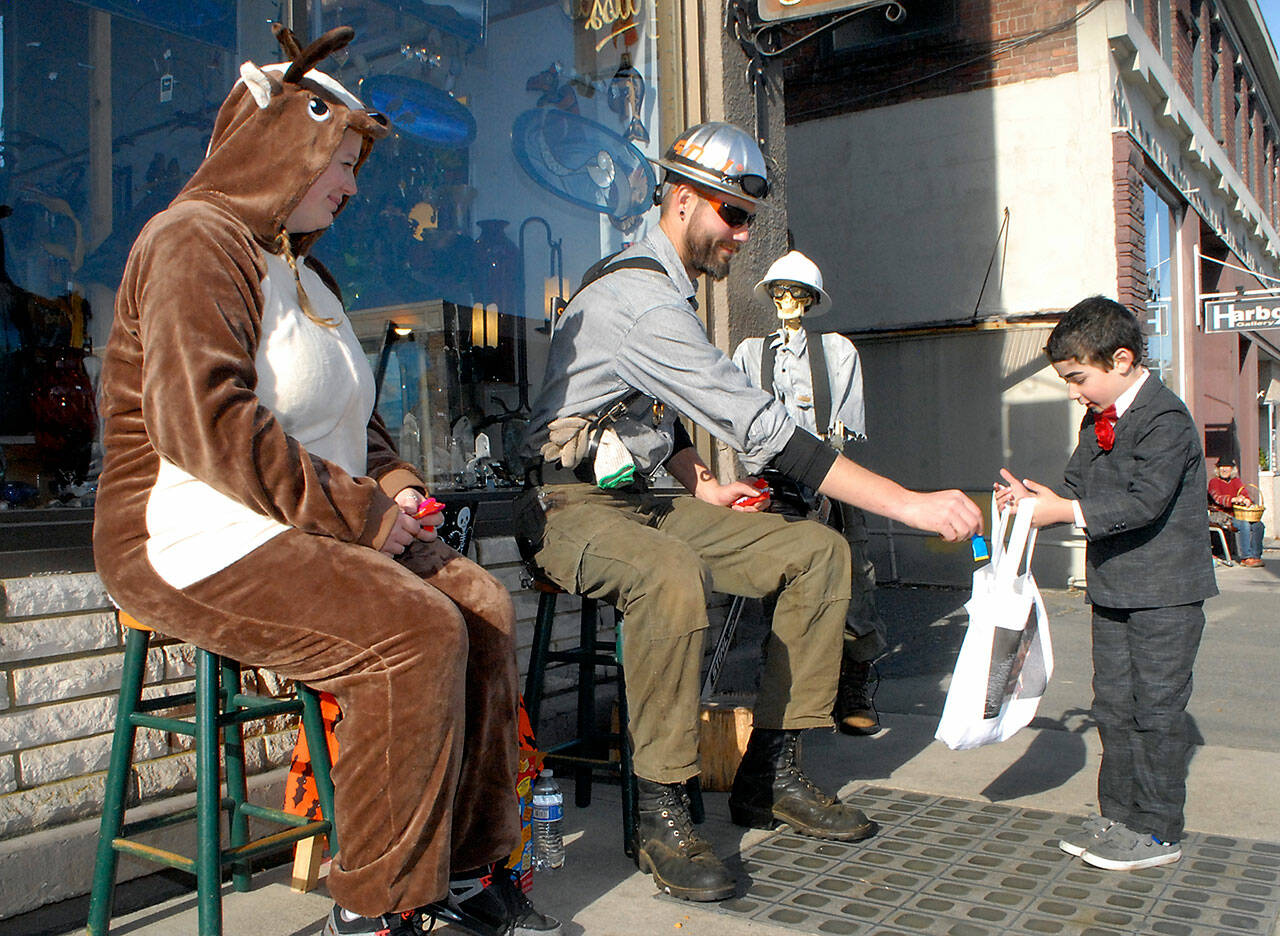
628, 356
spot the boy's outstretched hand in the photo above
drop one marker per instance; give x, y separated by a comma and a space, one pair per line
1050, 508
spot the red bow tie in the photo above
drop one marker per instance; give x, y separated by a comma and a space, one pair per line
1104, 427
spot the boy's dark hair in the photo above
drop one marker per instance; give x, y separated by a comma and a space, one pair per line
1093, 330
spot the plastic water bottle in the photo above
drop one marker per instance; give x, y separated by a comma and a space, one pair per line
548, 818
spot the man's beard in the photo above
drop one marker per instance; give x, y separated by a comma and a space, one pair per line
704, 259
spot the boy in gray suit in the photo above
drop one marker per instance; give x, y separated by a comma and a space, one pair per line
1134, 487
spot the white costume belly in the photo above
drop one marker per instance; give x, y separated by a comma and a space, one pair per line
317, 382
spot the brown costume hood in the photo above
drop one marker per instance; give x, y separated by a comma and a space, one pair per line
180, 372
276, 133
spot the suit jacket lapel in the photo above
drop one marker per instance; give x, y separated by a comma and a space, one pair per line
1132, 416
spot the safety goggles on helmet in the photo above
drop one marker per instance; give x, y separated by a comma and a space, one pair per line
751, 185
731, 215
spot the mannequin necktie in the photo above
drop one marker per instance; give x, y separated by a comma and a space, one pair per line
1104, 427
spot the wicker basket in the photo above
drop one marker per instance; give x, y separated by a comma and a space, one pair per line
1253, 512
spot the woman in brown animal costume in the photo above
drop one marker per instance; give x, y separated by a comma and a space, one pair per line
251, 503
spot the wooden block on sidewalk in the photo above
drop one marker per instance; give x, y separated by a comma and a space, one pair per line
725, 727
308, 858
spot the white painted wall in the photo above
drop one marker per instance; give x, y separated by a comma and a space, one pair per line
901, 206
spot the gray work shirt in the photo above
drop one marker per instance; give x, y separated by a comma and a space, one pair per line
637, 329
793, 383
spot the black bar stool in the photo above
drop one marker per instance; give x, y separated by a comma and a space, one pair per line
588, 750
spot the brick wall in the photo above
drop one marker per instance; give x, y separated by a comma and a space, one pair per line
1131, 238
988, 43
1226, 124
1185, 59
61, 651
1203, 62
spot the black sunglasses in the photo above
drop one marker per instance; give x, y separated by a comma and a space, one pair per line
731, 215
798, 293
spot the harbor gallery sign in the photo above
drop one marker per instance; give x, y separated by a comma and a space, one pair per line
1250, 311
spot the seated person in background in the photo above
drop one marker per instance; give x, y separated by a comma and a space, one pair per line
1227, 492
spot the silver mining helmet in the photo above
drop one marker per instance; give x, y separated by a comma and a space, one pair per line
718, 156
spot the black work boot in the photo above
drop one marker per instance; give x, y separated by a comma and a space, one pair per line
855, 709
682, 864
770, 788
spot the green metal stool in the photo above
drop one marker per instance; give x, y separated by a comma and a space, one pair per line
220, 708
588, 750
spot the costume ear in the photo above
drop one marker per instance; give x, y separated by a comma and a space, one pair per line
258, 82
318, 51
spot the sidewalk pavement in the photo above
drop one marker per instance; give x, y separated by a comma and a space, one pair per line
1052, 765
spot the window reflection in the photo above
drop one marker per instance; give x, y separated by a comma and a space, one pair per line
517, 161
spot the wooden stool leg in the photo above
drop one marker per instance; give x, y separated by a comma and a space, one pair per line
115, 792
208, 845
233, 757
308, 856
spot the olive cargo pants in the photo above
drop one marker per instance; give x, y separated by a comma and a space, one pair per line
657, 560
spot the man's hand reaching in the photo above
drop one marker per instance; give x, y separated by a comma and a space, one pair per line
950, 514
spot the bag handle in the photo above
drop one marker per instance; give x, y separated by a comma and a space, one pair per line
999, 525
1021, 543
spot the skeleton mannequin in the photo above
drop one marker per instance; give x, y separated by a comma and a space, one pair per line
819, 379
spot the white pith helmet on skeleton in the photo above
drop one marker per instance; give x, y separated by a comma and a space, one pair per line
795, 267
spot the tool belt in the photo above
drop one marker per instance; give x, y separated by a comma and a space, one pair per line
542, 472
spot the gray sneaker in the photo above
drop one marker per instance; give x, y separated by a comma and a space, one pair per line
1125, 850
1078, 841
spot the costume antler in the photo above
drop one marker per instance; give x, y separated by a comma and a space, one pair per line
288, 41
317, 51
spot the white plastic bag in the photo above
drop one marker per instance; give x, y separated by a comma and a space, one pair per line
1007, 657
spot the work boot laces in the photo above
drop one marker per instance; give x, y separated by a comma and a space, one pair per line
788, 769
673, 807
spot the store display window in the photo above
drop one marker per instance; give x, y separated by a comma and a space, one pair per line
519, 157
1161, 317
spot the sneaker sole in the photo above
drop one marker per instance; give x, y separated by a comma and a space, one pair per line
330, 931
1112, 864
464, 926
697, 894
1074, 850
